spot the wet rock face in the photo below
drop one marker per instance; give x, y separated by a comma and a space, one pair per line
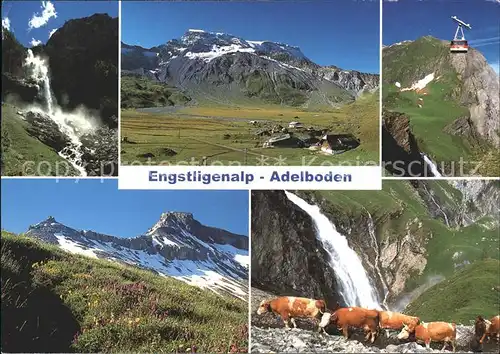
43, 128
19, 88
287, 258
100, 152
83, 59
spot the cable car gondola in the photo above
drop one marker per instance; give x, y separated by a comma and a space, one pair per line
459, 44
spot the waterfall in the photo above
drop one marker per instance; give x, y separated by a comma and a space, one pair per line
355, 287
40, 73
373, 237
437, 205
432, 165
73, 124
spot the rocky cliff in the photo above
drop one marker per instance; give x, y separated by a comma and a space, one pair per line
83, 59
479, 92
400, 152
287, 258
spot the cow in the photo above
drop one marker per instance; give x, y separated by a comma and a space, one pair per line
290, 307
357, 317
395, 321
485, 329
432, 331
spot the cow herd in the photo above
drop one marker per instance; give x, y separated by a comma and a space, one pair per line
371, 321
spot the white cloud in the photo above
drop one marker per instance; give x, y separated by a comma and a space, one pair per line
6, 23
39, 20
484, 41
52, 32
34, 42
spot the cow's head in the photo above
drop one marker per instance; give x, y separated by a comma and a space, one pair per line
265, 306
325, 320
407, 330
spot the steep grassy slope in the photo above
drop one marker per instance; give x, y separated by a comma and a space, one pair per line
53, 301
472, 291
434, 124
138, 92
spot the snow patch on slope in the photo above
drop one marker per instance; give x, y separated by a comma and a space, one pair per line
420, 84
204, 274
218, 51
69, 245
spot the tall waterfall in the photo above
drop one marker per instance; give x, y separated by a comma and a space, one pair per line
355, 287
73, 124
373, 237
431, 165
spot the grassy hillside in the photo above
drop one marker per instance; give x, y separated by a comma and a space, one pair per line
440, 104
472, 291
53, 301
222, 133
138, 92
24, 155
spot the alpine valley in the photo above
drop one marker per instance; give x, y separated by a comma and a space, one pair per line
218, 94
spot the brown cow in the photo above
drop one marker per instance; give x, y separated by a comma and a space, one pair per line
289, 308
395, 320
487, 329
432, 331
357, 317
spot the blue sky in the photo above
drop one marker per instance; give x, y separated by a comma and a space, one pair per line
100, 206
341, 32
32, 22
411, 19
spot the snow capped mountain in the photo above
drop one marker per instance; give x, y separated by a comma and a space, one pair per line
207, 46
177, 246
223, 65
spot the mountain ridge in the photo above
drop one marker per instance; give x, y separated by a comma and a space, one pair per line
218, 64
177, 245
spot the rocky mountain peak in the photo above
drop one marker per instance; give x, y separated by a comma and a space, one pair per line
174, 220
50, 221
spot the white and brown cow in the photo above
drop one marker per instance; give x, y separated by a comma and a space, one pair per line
390, 320
356, 317
431, 332
290, 307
